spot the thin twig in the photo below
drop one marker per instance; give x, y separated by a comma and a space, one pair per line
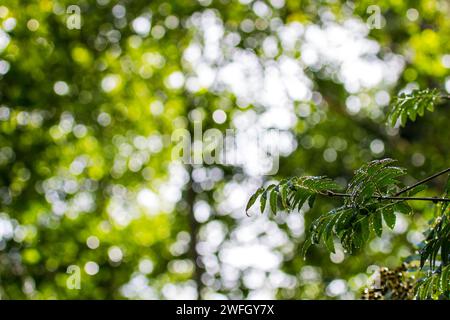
347, 195
422, 181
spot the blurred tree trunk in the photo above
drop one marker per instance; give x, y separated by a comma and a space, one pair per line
194, 226
193, 231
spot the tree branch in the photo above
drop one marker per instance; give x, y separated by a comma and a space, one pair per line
422, 181
346, 195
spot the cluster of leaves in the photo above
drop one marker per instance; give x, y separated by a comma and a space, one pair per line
436, 247
437, 241
410, 105
292, 193
435, 286
361, 213
368, 200
436, 250
365, 208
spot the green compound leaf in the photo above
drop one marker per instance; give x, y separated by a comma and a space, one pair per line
410, 105
294, 193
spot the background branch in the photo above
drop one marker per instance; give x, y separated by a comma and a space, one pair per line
346, 195
423, 181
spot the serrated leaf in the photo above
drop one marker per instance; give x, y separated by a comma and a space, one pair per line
424, 254
389, 218
329, 243
284, 195
299, 198
377, 223
263, 201
253, 198
328, 233
273, 201
311, 201
365, 231
305, 247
